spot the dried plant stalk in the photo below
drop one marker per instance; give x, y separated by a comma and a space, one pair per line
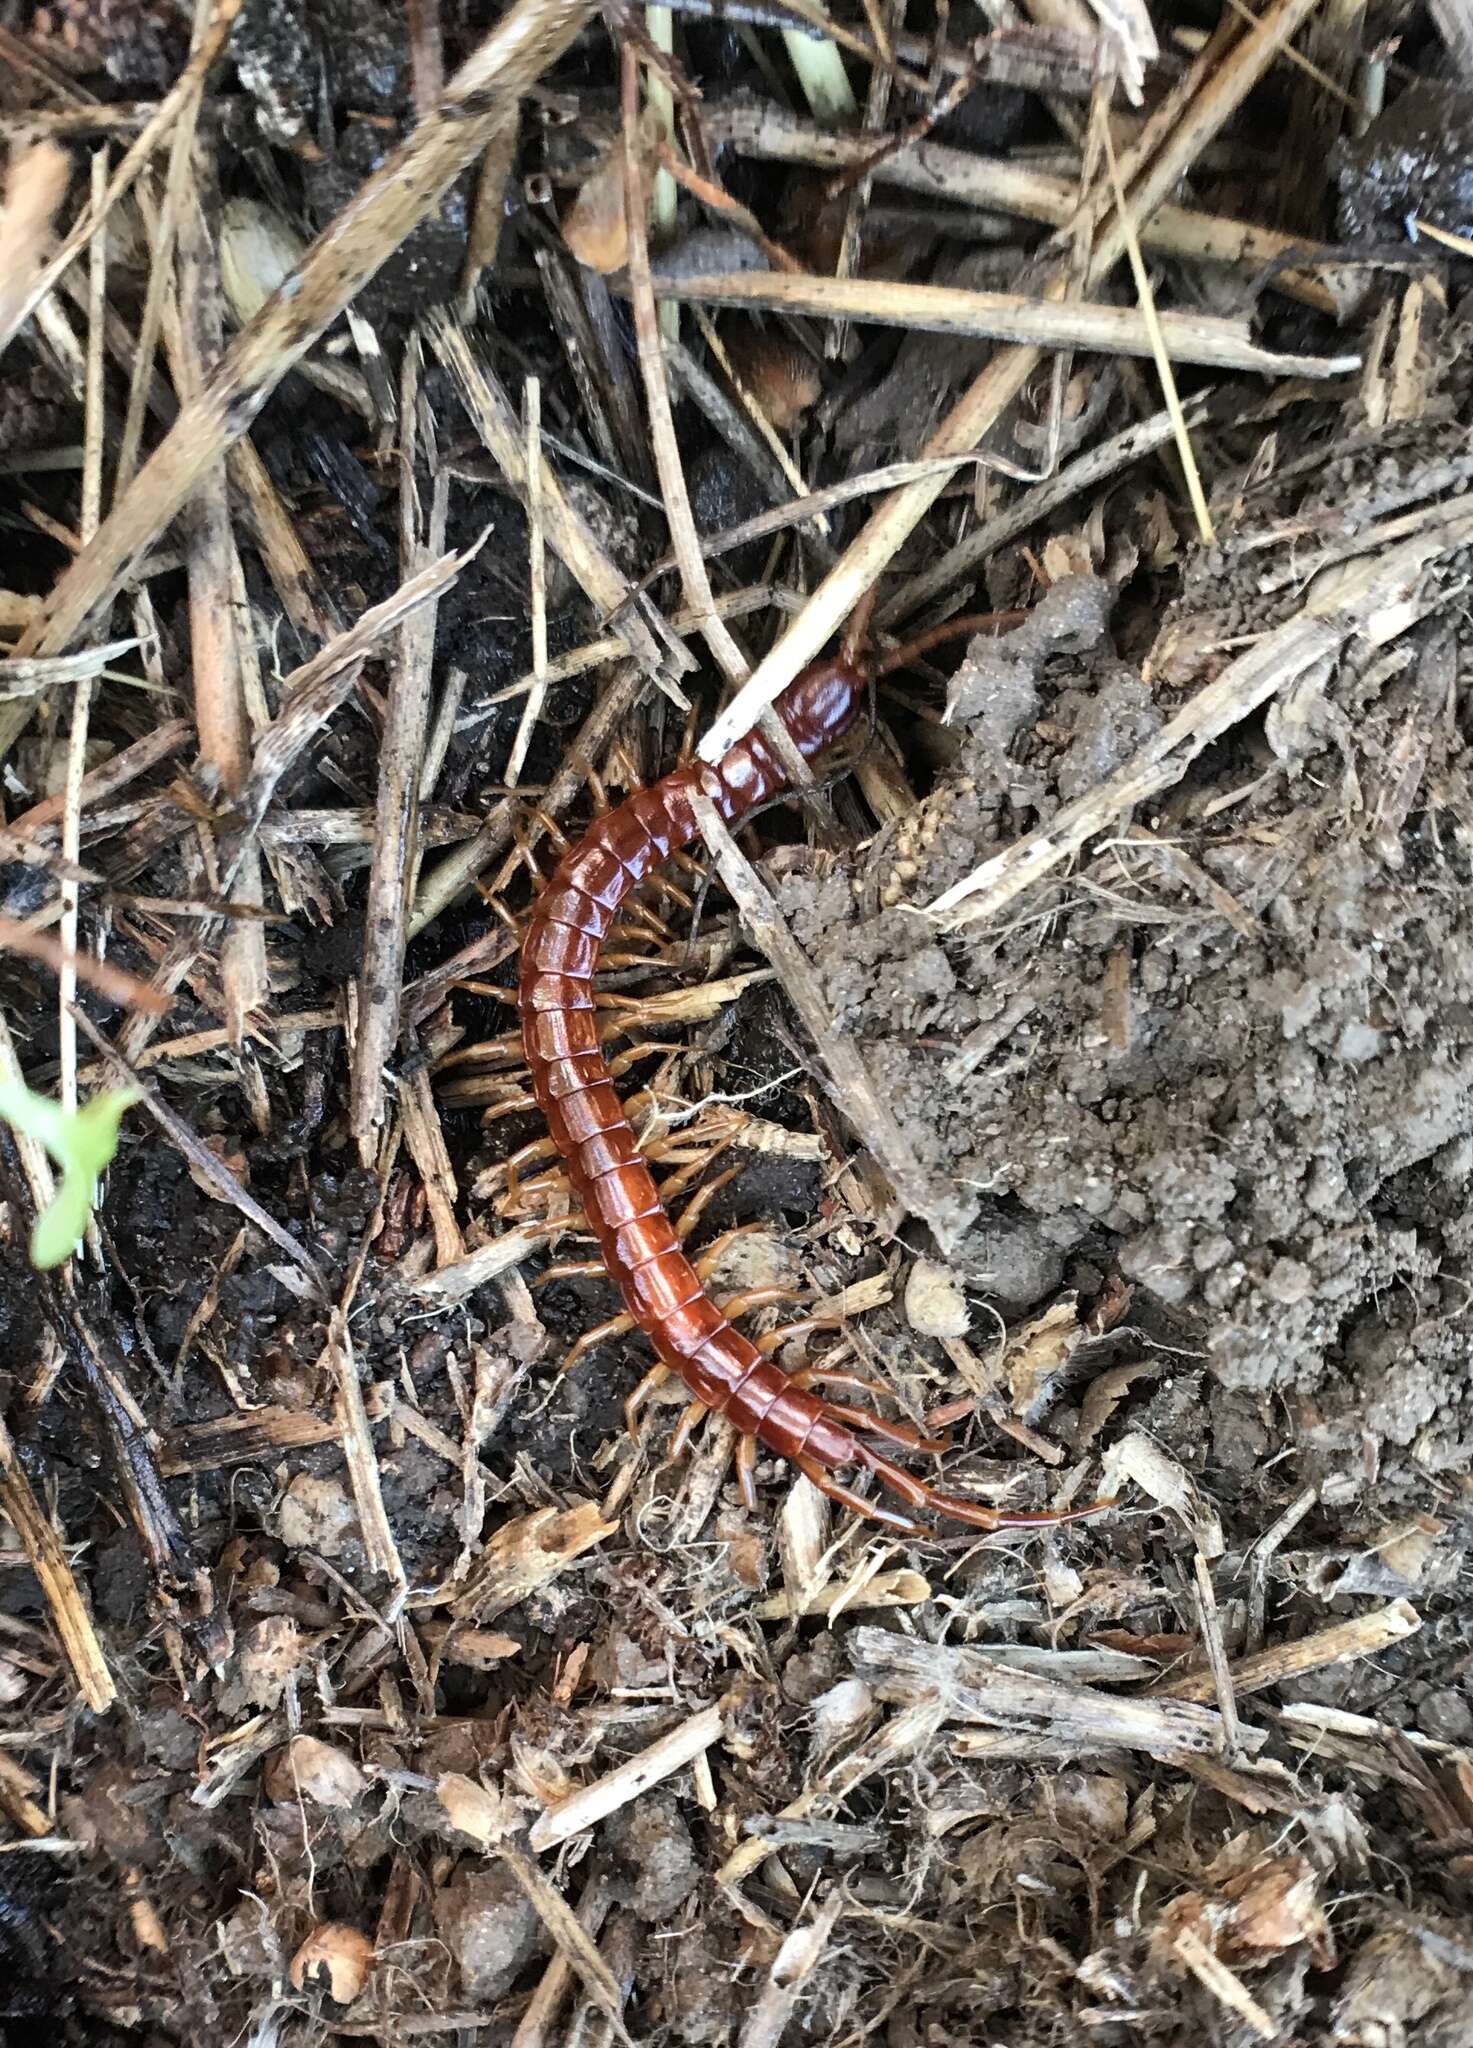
349, 251
1002, 316
47, 1559
1184, 123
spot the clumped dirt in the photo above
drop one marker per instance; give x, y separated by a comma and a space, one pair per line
1261, 1113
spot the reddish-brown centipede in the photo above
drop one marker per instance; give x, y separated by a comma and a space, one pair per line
725, 1371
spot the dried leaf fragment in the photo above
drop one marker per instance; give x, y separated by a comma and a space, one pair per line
258, 252
594, 226
1157, 1473
1038, 1352
35, 185
1270, 1907
526, 1554
487, 1817
313, 1771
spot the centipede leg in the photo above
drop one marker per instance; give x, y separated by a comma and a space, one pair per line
573, 1269
686, 1428
695, 1208
552, 828
876, 1425
775, 1339
616, 1326
746, 1471
705, 1261
735, 1305
912, 1490
865, 1418
835, 1376
958, 1509
652, 1381
868, 1510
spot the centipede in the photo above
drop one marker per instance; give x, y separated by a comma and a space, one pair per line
831, 1441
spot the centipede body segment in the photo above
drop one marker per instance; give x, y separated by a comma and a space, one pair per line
571, 1083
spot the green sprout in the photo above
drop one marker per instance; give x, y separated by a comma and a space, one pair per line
82, 1142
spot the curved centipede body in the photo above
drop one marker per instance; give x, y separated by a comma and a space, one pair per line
571, 1084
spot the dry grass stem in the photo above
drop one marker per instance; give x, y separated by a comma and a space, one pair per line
116, 983
349, 251
976, 1082
566, 531
35, 185
570, 1939
684, 539
1341, 1643
537, 577
522, 1556
379, 1548
400, 766
1161, 347
1003, 316
427, 1148
1228, 1990
205, 1165
488, 1262
1362, 599
1185, 122
920, 1192
46, 1556
76, 758
793, 1965
456, 872
592, 1803
970, 1687
185, 89
932, 170
242, 1439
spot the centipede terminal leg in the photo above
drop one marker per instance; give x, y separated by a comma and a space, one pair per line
867, 1510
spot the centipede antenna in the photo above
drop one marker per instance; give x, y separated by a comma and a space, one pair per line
995, 623
856, 632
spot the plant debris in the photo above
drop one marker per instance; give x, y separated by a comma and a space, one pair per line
421, 428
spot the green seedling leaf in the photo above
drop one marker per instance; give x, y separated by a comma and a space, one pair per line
82, 1142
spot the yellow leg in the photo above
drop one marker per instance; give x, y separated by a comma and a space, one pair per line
616, 1326
775, 1339
686, 1428
653, 1379
573, 1269
746, 1471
